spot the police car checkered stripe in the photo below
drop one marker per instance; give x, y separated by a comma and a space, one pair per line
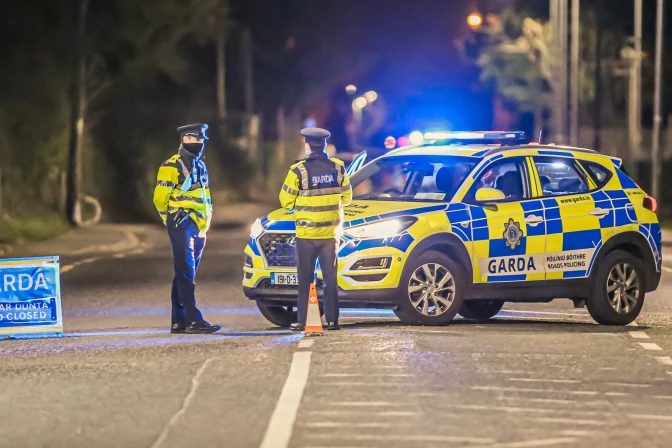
317, 208
335, 222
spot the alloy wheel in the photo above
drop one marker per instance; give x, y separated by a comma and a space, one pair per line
623, 288
431, 289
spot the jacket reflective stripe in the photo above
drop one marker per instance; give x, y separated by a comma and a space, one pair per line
317, 208
163, 213
335, 222
321, 191
304, 176
340, 174
290, 190
164, 183
189, 198
193, 186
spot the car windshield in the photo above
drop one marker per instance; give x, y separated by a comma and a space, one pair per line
412, 178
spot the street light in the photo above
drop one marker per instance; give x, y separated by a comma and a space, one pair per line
371, 96
416, 138
359, 103
475, 20
351, 89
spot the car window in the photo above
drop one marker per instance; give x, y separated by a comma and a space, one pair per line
560, 177
507, 176
599, 173
412, 178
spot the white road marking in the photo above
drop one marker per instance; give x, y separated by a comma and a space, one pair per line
518, 389
664, 360
195, 383
633, 324
616, 394
370, 384
367, 413
543, 380
306, 343
547, 312
570, 421
400, 437
663, 397
555, 400
650, 417
280, 426
350, 425
536, 443
628, 385
650, 346
366, 403
639, 335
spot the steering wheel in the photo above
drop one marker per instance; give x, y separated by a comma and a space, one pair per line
392, 190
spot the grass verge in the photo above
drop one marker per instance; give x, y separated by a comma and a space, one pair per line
19, 229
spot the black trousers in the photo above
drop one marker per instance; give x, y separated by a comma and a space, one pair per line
307, 252
187, 249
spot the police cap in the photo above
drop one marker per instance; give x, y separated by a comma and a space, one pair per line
316, 136
195, 130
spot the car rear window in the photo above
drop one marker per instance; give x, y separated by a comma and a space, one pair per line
599, 173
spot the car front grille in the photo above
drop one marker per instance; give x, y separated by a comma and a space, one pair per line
278, 250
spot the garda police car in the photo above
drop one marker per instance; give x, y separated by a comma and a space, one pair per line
468, 221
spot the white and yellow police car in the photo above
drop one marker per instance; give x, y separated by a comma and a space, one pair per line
468, 221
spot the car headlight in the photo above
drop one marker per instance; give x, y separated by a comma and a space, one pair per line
257, 229
382, 229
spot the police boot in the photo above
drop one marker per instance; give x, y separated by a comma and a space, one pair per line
333, 326
178, 329
202, 327
297, 327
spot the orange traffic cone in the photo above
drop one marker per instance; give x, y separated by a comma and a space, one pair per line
313, 317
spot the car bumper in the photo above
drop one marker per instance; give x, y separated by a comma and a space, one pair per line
377, 298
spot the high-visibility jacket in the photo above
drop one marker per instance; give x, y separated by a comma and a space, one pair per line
178, 187
316, 189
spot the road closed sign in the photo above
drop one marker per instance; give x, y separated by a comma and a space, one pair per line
30, 297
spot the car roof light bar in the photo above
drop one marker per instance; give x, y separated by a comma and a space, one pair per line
474, 135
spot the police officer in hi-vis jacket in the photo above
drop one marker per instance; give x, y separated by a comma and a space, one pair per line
182, 198
316, 189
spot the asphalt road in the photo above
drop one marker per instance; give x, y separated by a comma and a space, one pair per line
536, 376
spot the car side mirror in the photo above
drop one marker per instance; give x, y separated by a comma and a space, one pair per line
489, 195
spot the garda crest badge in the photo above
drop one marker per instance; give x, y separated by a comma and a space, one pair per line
512, 234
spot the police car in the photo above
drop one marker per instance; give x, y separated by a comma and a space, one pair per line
468, 221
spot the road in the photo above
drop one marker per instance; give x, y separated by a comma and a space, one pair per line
536, 376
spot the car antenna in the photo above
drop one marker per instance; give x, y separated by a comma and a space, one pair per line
541, 131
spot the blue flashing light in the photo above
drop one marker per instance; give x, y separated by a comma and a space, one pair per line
475, 135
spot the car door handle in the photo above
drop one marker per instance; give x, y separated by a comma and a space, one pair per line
464, 224
533, 220
599, 212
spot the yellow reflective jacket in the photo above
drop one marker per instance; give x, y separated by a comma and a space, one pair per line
172, 193
316, 189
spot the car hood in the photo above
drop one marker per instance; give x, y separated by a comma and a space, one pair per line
358, 212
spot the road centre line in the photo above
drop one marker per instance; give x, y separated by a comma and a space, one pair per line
664, 360
306, 343
639, 335
629, 385
650, 346
543, 380
195, 383
280, 427
570, 421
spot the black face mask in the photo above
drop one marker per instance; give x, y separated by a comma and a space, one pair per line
194, 148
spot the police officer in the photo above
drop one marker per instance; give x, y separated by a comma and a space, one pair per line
182, 198
316, 189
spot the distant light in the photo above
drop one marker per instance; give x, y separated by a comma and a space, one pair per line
403, 141
360, 102
475, 20
438, 135
416, 138
371, 96
390, 142
558, 165
351, 89
310, 122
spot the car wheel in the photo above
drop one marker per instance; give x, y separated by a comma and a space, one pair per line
282, 316
431, 290
618, 290
480, 309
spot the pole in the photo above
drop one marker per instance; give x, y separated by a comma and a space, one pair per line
564, 99
575, 87
248, 81
657, 119
78, 104
636, 85
597, 119
221, 63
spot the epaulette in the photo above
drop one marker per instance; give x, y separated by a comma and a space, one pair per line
337, 161
297, 163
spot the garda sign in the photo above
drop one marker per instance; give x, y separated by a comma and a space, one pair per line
30, 297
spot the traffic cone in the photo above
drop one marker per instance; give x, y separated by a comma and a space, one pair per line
313, 317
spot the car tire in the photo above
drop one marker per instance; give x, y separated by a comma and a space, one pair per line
431, 290
618, 289
480, 310
282, 316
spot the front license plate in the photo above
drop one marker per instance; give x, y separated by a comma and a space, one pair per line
284, 279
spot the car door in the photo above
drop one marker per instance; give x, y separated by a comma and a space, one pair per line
508, 234
578, 216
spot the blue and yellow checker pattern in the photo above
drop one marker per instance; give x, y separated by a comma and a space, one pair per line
548, 238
